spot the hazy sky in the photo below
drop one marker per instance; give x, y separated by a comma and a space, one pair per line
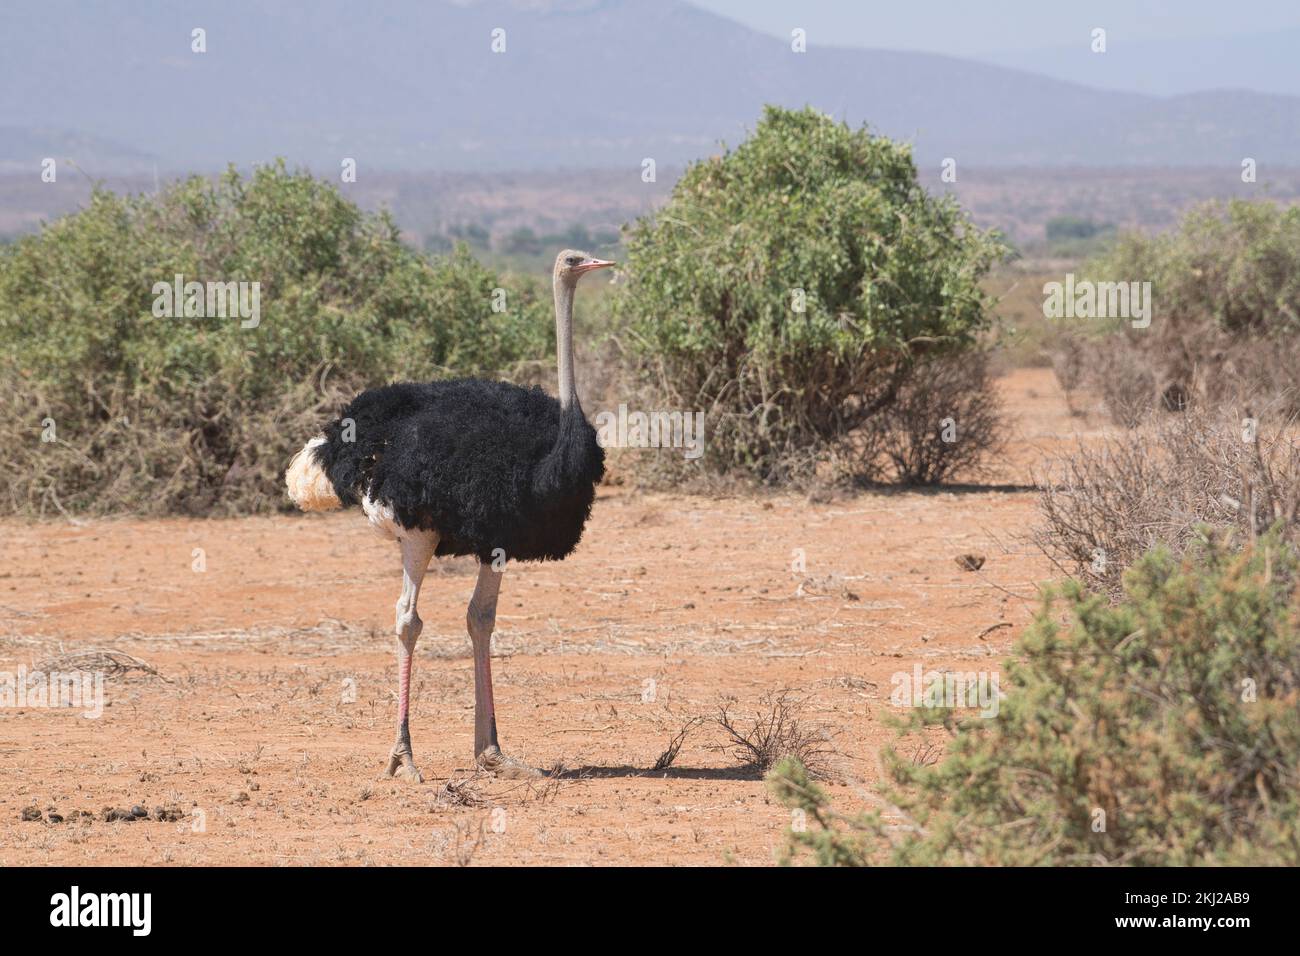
969, 29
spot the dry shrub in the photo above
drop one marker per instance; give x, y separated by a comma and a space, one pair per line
946, 420
111, 663
1125, 381
1104, 505
776, 731
1189, 364
1070, 366
674, 747
463, 793
214, 453
1263, 371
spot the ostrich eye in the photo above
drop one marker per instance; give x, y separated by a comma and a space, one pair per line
572, 260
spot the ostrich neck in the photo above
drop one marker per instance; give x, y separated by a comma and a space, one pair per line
564, 341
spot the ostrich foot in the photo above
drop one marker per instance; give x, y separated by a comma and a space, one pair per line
401, 765
494, 761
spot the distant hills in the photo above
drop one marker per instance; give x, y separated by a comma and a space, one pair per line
1172, 65
413, 85
23, 147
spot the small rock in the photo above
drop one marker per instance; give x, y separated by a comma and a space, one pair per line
970, 562
56, 818
139, 812
31, 814
240, 797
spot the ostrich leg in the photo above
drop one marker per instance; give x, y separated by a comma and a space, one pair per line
481, 619
417, 550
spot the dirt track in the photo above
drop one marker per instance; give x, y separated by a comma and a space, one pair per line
256, 726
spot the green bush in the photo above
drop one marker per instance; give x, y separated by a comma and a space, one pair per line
1236, 265
198, 415
1163, 731
1061, 228
806, 212
1226, 320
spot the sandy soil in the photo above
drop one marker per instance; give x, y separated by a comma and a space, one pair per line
274, 711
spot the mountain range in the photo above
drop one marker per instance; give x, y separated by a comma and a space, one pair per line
415, 85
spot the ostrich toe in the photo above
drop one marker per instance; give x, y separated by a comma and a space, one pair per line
494, 761
401, 766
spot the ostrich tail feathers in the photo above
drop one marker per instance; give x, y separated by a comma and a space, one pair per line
308, 485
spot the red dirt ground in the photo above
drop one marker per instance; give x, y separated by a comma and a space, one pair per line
254, 731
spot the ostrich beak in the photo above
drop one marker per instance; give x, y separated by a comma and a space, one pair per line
592, 264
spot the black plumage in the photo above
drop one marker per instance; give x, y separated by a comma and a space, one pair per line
494, 468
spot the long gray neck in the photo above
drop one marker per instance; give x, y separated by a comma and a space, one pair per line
564, 340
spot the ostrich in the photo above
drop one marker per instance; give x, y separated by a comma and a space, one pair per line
458, 468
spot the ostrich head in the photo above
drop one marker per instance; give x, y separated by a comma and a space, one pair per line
571, 265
